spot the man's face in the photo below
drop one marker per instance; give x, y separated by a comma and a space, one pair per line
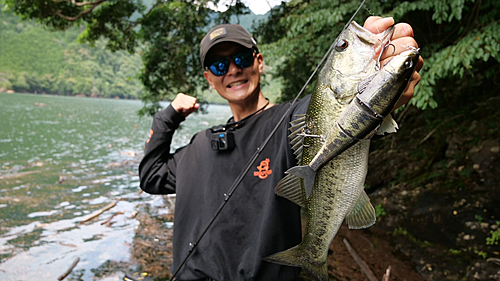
238, 84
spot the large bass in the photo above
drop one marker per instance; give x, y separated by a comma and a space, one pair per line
351, 100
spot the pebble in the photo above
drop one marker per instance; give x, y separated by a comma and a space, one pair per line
469, 237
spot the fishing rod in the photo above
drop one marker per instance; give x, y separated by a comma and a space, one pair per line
259, 150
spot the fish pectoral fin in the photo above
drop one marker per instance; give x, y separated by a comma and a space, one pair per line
363, 215
290, 187
388, 126
307, 174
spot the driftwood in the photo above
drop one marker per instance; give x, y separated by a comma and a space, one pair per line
96, 214
364, 267
112, 216
69, 270
435, 129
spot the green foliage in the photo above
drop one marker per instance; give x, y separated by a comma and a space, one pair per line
495, 236
379, 211
461, 55
455, 37
400, 231
482, 254
172, 33
479, 218
34, 59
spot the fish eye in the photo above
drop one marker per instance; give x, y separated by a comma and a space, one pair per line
341, 45
408, 64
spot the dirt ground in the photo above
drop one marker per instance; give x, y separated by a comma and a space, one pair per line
374, 247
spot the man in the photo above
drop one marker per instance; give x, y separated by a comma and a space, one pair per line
255, 222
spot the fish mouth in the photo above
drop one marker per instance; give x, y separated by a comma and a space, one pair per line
237, 83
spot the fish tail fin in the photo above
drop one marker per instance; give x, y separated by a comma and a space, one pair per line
307, 174
295, 257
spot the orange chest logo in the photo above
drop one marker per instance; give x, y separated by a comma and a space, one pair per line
263, 169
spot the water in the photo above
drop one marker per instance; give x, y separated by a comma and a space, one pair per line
62, 159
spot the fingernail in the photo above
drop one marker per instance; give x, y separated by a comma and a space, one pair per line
391, 19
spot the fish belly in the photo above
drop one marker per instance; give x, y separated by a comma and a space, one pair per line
337, 189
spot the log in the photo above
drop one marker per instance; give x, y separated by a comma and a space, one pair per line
96, 214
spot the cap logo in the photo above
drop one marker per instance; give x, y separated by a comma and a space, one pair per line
217, 32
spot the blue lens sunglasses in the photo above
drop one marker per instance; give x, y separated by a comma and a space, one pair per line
241, 60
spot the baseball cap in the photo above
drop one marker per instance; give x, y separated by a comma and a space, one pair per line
225, 33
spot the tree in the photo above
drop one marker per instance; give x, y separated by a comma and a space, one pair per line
459, 40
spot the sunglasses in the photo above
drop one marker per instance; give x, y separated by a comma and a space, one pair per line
241, 60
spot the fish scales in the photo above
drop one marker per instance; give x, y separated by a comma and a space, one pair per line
329, 181
347, 170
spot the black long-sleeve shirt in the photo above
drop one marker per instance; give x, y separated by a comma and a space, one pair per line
255, 222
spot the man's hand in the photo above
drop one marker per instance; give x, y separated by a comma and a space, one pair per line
402, 39
184, 104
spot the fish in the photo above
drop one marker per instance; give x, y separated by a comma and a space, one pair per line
349, 104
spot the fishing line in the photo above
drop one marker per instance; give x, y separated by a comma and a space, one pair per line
251, 161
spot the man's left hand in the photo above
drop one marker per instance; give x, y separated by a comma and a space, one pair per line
402, 39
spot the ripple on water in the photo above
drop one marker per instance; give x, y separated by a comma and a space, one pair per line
43, 214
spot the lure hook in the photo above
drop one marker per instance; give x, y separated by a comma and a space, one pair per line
377, 64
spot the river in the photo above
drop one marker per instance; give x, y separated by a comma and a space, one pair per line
61, 160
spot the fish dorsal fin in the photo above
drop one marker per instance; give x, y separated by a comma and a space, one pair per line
388, 126
363, 214
296, 139
364, 83
290, 187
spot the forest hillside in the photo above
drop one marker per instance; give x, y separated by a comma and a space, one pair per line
34, 59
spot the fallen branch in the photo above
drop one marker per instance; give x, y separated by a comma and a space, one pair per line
364, 267
96, 214
435, 129
69, 270
494, 260
112, 216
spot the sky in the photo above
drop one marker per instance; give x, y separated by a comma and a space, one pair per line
258, 7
